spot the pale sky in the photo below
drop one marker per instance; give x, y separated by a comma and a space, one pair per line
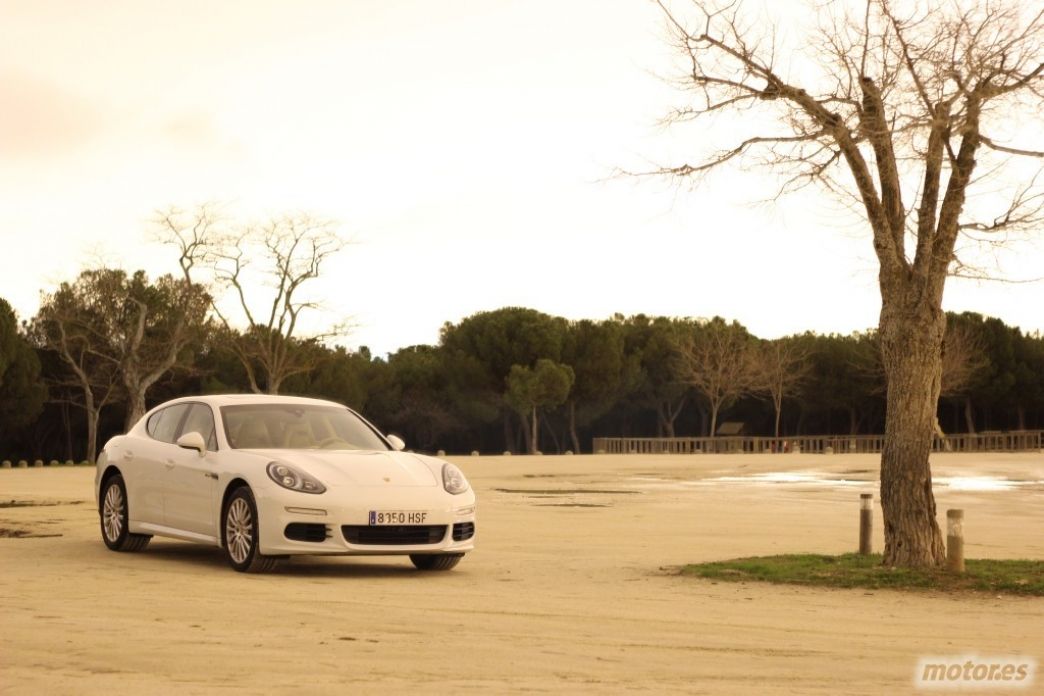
464, 146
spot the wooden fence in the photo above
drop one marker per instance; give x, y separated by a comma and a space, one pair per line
1018, 441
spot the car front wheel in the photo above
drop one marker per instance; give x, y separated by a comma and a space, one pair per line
240, 534
114, 516
435, 561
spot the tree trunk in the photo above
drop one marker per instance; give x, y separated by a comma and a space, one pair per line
92, 433
572, 427
911, 333
942, 435
1020, 412
665, 424
510, 443
554, 436
969, 416
527, 432
778, 403
534, 447
713, 419
67, 428
135, 407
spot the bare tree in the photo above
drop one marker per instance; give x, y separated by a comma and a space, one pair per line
717, 359
780, 367
282, 254
165, 319
963, 359
907, 108
294, 249
93, 380
140, 329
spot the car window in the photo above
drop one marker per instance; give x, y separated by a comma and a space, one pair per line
163, 425
154, 421
201, 420
295, 426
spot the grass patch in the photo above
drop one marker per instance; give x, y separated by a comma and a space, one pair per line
853, 570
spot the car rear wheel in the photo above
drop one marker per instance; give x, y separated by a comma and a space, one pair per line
114, 516
240, 534
435, 561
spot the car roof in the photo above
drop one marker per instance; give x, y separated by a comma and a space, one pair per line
252, 399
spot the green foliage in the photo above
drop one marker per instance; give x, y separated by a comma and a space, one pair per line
845, 386
481, 350
650, 369
545, 385
585, 378
595, 351
506, 337
1020, 577
21, 392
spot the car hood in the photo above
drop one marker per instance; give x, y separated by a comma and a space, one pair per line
360, 468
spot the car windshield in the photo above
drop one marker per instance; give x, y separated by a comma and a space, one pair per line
295, 426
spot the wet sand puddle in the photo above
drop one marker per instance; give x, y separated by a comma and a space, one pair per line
973, 483
567, 497
15, 529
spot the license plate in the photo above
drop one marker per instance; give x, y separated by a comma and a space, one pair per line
395, 517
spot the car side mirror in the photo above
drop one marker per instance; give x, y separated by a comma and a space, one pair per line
193, 441
396, 442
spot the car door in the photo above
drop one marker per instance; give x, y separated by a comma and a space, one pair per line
144, 462
192, 479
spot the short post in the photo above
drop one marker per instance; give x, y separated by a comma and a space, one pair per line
955, 540
866, 523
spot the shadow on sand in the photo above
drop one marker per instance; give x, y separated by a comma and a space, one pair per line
212, 558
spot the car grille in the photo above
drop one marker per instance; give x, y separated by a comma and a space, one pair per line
306, 531
394, 535
463, 530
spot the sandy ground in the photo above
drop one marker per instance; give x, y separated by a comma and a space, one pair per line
570, 590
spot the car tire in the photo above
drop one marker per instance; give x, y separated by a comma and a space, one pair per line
435, 561
240, 534
113, 509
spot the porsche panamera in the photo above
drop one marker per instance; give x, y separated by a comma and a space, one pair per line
268, 477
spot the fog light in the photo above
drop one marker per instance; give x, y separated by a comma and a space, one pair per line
466, 511
307, 511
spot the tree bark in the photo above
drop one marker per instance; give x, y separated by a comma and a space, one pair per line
92, 433
969, 416
534, 448
67, 430
510, 442
554, 436
527, 433
135, 408
572, 427
911, 346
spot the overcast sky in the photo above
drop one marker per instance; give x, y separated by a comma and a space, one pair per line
466, 148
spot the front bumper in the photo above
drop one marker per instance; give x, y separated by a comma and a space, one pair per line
347, 523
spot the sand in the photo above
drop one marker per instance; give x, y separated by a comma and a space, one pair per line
571, 589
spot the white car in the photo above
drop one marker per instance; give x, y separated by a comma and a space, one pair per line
267, 477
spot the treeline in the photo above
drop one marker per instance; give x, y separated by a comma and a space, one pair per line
107, 346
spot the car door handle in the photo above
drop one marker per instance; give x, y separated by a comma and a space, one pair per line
128, 455
210, 475
170, 464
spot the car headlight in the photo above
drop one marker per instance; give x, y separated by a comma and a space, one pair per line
453, 479
289, 477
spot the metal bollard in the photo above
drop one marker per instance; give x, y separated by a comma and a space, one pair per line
866, 523
955, 540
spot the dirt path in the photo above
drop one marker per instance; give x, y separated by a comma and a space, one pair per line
568, 590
